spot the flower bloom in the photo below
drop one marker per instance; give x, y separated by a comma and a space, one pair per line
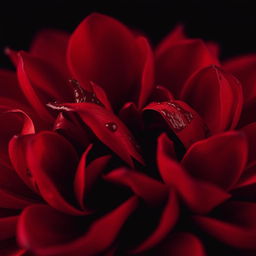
111, 148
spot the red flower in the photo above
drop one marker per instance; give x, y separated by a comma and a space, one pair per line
108, 148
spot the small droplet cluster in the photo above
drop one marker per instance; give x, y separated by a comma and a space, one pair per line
111, 126
81, 95
178, 119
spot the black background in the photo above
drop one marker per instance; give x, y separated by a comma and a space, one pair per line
231, 23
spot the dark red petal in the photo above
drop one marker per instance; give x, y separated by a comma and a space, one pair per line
248, 177
238, 229
219, 159
175, 37
217, 96
36, 233
250, 133
167, 221
54, 175
30, 92
198, 195
87, 174
104, 51
181, 244
182, 120
214, 48
10, 88
161, 93
51, 46
108, 128
147, 79
150, 190
243, 68
14, 194
179, 61
8, 227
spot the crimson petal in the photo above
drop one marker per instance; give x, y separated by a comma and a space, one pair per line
182, 119
238, 229
216, 96
150, 190
107, 127
87, 174
51, 46
179, 61
200, 196
37, 234
225, 168
53, 176
104, 51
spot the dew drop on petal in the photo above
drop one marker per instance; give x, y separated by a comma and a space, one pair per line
111, 126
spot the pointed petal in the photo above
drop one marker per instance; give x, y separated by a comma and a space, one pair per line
107, 127
222, 108
220, 159
199, 196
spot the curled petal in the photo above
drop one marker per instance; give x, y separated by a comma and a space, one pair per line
87, 174
167, 221
53, 176
99, 236
225, 168
199, 196
182, 120
222, 107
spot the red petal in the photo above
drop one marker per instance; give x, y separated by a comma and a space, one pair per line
161, 94
219, 159
237, 230
182, 119
250, 133
179, 61
51, 46
200, 196
243, 68
166, 223
108, 128
181, 244
147, 79
222, 107
175, 37
36, 233
87, 174
8, 227
54, 176
104, 51
150, 190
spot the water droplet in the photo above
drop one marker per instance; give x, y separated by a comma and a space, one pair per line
111, 126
